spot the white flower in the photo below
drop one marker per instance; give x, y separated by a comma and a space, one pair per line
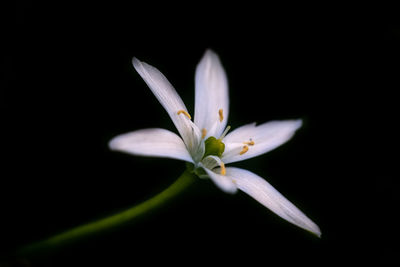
205, 142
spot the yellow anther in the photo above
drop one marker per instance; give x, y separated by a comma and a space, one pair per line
185, 113
223, 170
244, 150
203, 133
250, 143
221, 114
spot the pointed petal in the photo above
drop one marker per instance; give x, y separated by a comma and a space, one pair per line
169, 99
153, 142
263, 192
211, 95
224, 182
266, 137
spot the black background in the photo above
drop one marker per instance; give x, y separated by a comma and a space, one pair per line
70, 87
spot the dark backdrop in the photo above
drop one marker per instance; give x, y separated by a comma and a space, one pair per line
70, 87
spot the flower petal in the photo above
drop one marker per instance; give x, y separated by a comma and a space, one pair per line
266, 137
211, 95
170, 100
263, 192
153, 142
224, 182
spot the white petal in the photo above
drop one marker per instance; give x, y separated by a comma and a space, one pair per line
153, 142
169, 99
263, 192
211, 94
240, 134
266, 137
210, 162
224, 182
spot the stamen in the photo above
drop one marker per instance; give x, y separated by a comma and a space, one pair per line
185, 113
225, 132
250, 143
203, 133
244, 150
223, 170
221, 115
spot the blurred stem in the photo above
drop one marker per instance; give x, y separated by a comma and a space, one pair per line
113, 221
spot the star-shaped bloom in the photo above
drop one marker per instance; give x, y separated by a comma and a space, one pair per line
205, 143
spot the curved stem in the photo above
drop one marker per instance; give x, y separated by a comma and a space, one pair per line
113, 221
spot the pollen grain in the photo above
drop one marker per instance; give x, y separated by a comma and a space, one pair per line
244, 150
223, 170
250, 143
221, 114
203, 133
185, 113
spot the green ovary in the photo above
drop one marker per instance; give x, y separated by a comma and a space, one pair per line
213, 147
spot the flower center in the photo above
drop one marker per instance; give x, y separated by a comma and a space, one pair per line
213, 147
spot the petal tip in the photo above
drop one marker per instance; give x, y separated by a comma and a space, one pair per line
114, 144
318, 233
314, 229
299, 123
210, 54
136, 62
209, 51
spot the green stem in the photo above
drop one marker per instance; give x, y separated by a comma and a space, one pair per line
113, 221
